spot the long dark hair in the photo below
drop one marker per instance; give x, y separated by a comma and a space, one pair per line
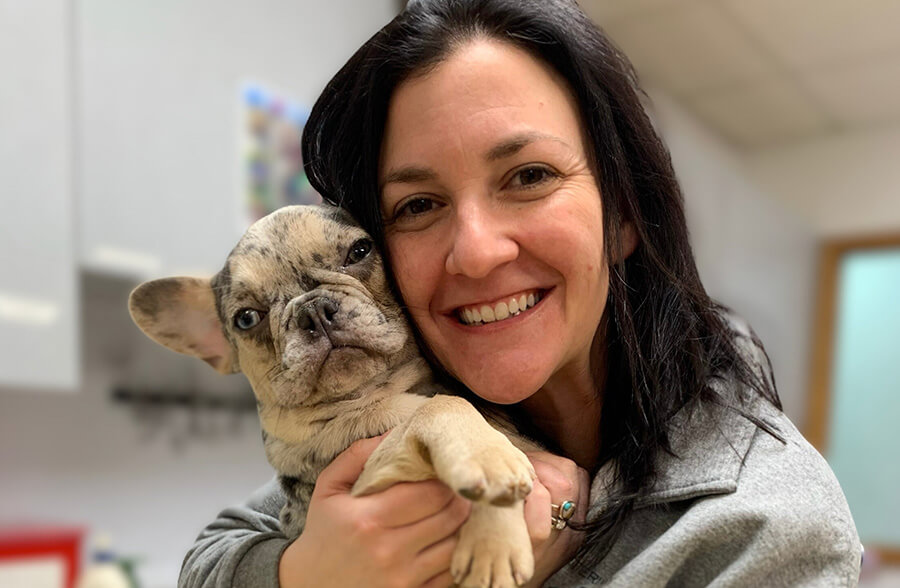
667, 342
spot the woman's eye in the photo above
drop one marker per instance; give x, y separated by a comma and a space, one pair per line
532, 176
247, 318
413, 209
358, 251
416, 206
415, 213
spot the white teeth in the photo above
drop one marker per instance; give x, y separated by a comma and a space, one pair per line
500, 311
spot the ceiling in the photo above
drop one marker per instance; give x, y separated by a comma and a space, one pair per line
763, 73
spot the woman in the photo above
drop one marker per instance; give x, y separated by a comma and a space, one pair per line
497, 150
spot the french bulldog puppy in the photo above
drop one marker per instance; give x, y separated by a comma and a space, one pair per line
302, 307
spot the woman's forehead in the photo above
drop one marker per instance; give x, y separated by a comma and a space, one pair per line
484, 93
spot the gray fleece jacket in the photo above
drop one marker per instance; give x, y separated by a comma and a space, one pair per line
735, 506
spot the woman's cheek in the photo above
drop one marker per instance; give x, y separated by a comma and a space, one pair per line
401, 263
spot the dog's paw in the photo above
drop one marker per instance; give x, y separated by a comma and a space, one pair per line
491, 470
494, 549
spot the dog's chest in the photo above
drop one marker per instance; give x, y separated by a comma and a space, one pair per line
299, 464
332, 434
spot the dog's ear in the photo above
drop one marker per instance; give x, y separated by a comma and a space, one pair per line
180, 313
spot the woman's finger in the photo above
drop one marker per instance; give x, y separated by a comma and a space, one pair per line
340, 475
442, 580
408, 502
564, 481
537, 513
420, 535
559, 474
434, 561
558, 479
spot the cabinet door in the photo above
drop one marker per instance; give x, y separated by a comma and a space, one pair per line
38, 288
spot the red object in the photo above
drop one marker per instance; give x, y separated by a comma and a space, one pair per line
26, 542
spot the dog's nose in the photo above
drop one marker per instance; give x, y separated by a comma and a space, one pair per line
317, 315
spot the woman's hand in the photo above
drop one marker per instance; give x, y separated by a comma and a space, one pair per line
558, 479
403, 536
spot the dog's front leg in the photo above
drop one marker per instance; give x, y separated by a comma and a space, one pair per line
448, 439
397, 459
494, 549
468, 454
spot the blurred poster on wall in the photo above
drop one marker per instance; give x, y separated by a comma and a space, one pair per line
270, 159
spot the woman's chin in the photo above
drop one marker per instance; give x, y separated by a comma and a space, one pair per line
502, 388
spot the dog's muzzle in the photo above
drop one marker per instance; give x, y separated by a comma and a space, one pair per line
316, 316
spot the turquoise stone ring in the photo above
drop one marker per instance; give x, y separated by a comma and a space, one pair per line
560, 514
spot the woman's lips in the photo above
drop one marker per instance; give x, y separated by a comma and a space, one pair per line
499, 310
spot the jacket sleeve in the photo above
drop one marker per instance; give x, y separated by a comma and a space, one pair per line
241, 548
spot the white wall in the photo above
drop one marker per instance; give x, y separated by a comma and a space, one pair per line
844, 185
753, 253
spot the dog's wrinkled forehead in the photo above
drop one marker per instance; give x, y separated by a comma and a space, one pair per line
290, 252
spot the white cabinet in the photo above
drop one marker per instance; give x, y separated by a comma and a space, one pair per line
38, 288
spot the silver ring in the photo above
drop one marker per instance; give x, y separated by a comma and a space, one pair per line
560, 514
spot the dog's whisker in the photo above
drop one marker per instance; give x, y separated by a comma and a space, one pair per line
275, 372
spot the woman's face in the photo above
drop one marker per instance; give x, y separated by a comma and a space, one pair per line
492, 212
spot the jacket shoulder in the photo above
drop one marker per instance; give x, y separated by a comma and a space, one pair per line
784, 523
788, 518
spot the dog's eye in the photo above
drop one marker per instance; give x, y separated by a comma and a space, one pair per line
358, 251
247, 318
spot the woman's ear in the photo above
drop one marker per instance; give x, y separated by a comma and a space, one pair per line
628, 239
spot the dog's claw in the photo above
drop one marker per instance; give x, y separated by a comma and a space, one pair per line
473, 492
505, 499
459, 569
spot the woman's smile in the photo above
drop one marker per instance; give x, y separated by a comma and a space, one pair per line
505, 308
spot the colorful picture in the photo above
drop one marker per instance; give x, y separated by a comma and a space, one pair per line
271, 160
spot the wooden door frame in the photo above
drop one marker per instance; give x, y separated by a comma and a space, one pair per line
831, 252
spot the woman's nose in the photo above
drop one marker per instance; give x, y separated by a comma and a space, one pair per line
480, 244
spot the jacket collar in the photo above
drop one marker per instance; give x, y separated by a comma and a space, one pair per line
709, 443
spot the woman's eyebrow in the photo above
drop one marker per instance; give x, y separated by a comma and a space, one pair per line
511, 146
409, 175
506, 148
